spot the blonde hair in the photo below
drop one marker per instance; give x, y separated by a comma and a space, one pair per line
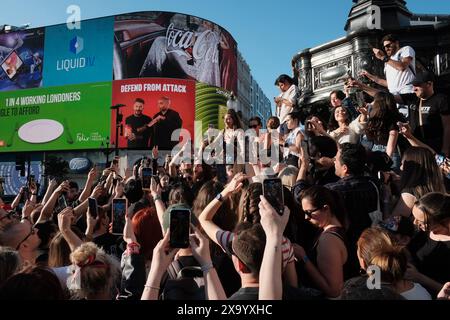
392, 263
375, 247
99, 272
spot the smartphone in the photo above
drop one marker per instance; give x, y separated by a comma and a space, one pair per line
93, 207
147, 174
273, 192
62, 202
180, 220
119, 210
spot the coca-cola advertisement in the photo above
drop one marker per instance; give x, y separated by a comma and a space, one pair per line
174, 45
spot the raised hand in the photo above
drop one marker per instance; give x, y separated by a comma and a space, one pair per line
63, 187
200, 247
92, 173
235, 184
405, 129
379, 54
65, 219
155, 188
272, 223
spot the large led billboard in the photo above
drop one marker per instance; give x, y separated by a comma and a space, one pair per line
57, 118
21, 59
174, 45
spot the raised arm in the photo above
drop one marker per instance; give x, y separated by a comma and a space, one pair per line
369, 90
18, 197
89, 183
200, 250
270, 280
155, 190
162, 257
48, 193
405, 130
209, 212
392, 143
47, 210
65, 219
377, 80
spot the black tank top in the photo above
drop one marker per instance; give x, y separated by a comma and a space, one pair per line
341, 234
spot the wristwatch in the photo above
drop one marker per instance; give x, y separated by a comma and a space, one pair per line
219, 197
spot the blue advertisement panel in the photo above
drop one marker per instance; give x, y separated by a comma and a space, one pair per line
12, 180
79, 55
21, 59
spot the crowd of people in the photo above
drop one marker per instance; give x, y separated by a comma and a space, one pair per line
365, 208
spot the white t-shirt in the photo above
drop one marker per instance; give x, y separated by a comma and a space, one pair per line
416, 293
355, 129
398, 80
290, 95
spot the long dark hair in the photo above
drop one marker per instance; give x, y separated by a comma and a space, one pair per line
237, 124
383, 117
420, 174
332, 123
435, 206
320, 196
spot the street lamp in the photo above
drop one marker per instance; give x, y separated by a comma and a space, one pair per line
106, 149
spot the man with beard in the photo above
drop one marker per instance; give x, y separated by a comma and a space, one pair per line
138, 132
399, 66
166, 122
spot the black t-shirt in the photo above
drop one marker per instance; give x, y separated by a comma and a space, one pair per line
164, 129
432, 258
431, 133
251, 293
142, 139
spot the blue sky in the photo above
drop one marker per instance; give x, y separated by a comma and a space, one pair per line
268, 33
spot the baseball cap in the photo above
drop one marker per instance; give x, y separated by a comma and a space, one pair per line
422, 78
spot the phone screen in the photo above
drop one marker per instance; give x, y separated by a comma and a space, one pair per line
119, 210
273, 192
146, 177
93, 207
179, 228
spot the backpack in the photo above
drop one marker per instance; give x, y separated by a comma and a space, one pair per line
183, 283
